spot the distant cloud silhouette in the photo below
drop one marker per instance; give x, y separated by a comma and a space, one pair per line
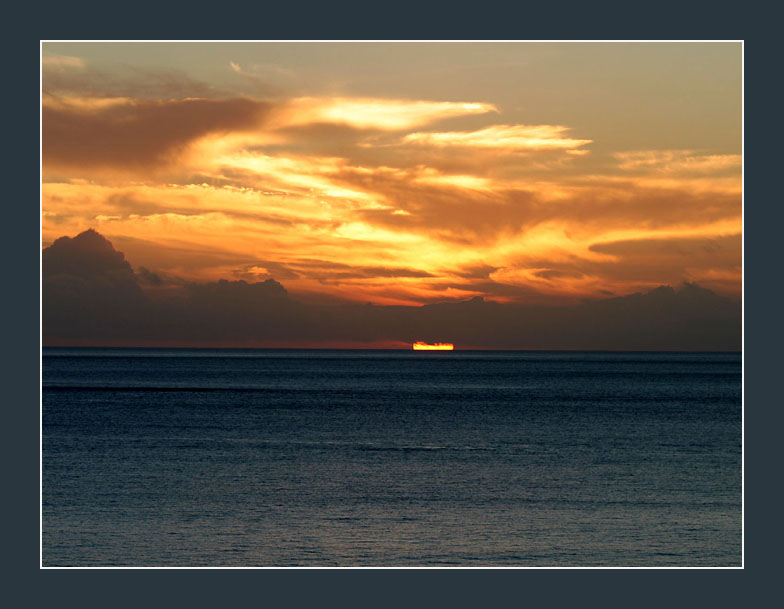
91, 295
87, 254
147, 277
89, 289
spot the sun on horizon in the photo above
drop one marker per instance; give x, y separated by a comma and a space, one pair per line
423, 346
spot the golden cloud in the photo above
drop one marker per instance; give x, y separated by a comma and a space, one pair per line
510, 137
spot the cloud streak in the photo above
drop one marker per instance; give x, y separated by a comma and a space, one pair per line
508, 137
383, 114
677, 162
135, 134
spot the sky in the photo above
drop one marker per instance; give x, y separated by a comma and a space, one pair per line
401, 174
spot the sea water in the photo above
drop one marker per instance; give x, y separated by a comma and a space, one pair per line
297, 458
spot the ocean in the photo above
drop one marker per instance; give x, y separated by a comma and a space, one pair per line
330, 458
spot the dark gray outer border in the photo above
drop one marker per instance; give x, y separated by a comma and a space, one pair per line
29, 23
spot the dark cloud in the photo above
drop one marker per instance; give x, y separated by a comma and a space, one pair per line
139, 133
234, 295
88, 254
88, 288
236, 310
556, 274
91, 296
157, 279
689, 318
146, 276
516, 293
382, 271
673, 259
478, 271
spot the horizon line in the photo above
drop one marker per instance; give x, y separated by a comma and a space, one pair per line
400, 349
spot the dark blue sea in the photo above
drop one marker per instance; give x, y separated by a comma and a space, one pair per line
295, 458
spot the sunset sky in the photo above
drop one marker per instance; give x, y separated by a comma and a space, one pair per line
402, 173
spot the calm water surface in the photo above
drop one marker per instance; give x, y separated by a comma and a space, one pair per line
390, 458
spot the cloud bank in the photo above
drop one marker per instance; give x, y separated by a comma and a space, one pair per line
92, 296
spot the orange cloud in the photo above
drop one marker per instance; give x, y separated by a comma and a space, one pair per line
384, 114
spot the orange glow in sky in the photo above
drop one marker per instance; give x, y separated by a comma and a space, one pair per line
383, 173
